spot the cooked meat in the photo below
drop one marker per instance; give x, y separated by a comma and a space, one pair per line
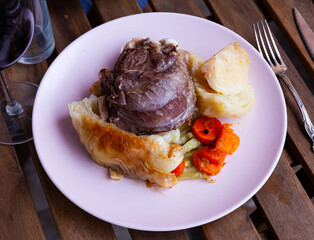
150, 89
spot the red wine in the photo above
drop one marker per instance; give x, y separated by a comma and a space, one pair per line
16, 31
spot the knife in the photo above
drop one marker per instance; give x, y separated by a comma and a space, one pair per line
305, 31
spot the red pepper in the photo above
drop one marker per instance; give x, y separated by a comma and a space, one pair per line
179, 169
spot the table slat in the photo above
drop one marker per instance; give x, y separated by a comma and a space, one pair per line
281, 11
235, 225
143, 235
289, 210
18, 216
15, 201
112, 9
68, 21
187, 7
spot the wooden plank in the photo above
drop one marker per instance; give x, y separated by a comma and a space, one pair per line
187, 7
18, 217
69, 22
289, 210
112, 9
173, 235
236, 15
17, 211
30, 73
282, 12
235, 225
147, 8
239, 17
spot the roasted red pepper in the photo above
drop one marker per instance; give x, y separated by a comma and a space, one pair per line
179, 169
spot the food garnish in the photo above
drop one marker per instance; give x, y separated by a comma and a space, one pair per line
180, 169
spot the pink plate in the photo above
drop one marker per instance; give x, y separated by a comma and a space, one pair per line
130, 203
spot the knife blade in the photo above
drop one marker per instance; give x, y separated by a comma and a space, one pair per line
305, 31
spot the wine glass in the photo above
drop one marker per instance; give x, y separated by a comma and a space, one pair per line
16, 33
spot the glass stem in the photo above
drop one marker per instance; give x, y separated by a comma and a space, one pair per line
12, 107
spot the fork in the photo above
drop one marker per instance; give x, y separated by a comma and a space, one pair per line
278, 66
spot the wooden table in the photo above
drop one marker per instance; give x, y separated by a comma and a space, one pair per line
284, 205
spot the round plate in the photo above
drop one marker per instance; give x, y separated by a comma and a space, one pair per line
130, 203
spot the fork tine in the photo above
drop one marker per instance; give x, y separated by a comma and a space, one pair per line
264, 48
257, 41
273, 42
268, 43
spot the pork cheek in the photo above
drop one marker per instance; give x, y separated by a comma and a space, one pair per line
150, 89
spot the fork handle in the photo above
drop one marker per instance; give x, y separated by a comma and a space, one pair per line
306, 119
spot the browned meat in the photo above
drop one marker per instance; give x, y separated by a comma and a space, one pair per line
150, 89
